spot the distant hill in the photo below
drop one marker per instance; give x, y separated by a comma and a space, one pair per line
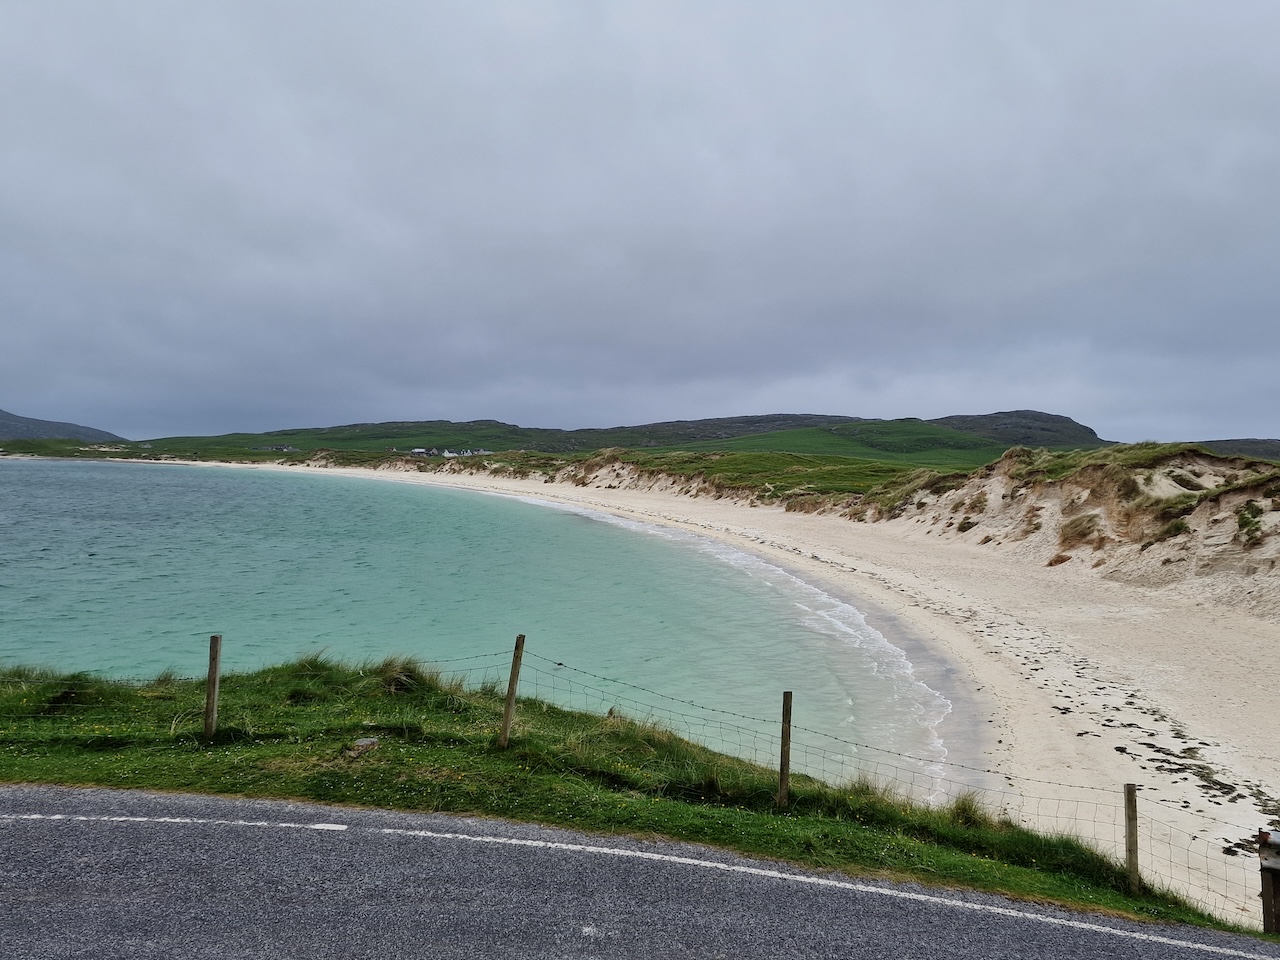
1026, 428
495, 435
13, 427
946, 444
1264, 449
773, 431
721, 428
959, 440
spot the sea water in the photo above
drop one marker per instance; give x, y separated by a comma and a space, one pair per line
128, 568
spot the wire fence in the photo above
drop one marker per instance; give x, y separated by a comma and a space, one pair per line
1206, 861
1210, 863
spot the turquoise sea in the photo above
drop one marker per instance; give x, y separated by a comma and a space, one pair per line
128, 568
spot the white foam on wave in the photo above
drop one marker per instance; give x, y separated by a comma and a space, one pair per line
829, 616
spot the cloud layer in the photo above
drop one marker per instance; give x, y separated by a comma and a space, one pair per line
248, 216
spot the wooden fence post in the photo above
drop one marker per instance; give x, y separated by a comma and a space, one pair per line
1131, 836
509, 709
1269, 857
211, 686
784, 762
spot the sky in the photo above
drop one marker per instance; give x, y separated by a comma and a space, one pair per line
247, 216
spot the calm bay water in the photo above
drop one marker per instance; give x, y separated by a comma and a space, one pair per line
127, 568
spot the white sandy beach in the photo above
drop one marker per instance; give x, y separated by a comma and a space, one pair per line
1060, 679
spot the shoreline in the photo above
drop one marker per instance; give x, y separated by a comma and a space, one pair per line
1064, 688
962, 731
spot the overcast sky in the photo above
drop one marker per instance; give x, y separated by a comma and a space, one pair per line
257, 215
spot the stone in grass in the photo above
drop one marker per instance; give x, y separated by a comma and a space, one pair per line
361, 746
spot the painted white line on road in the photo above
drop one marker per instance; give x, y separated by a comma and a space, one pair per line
178, 820
670, 858
839, 884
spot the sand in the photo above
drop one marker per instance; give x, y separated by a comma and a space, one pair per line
1064, 686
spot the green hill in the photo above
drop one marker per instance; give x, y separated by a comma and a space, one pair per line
960, 440
495, 435
1262, 449
14, 427
1026, 428
915, 442
780, 455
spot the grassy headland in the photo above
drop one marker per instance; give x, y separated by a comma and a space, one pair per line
976, 441
290, 732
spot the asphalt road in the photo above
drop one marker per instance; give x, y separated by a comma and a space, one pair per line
105, 874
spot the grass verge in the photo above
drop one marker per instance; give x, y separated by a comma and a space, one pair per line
290, 732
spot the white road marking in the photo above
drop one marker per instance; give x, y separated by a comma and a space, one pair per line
670, 858
839, 884
180, 820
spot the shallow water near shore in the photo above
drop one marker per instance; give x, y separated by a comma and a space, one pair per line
127, 568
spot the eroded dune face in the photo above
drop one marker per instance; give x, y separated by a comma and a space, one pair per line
1210, 524
1207, 523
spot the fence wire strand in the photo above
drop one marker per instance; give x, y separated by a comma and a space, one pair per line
1218, 877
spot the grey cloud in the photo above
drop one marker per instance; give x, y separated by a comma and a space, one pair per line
248, 216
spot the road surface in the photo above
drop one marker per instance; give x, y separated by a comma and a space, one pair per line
106, 874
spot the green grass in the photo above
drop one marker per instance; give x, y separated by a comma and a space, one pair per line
287, 732
909, 441
195, 448
963, 441
769, 475
489, 434
894, 441
1032, 465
